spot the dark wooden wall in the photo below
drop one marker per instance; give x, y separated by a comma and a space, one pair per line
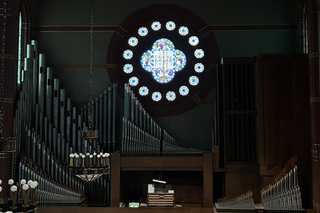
283, 121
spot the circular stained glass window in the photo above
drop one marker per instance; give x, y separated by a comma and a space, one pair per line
156, 96
127, 54
198, 67
156, 26
143, 91
133, 81
143, 31
171, 96
198, 53
193, 40
183, 31
194, 80
133, 41
128, 68
184, 90
163, 61
170, 25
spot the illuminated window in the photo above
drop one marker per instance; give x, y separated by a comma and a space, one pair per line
193, 40
170, 25
143, 31
173, 59
184, 90
128, 68
171, 96
183, 31
156, 26
143, 91
133, 41
198, 67
156, 96
133, 81
163, 60
19, 73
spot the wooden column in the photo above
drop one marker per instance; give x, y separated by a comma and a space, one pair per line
312, 19
207, 180
115, 180
10, 70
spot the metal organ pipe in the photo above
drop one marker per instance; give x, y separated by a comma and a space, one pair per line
48, 128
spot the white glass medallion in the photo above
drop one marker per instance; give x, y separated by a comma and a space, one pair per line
194, 80
199, 53
127, 54
143, 31
199, 67
170, 25
183, 31
156, 26
156, 96
133, 81
143, 91
128, 68
133, 41
171, 96
184, 90
193, 40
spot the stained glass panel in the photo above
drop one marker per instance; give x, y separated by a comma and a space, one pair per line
156, 96
184, 90
156, 26
193, 40
171, 96
170, 25
133, 41
143, 91
198, 67
143, 31
163, 60
127, 54
128, 68
133, 81
183, 31
19, 49
199, 53
194, 80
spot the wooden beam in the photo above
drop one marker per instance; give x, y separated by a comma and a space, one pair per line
115, 180
207, 180
193, 163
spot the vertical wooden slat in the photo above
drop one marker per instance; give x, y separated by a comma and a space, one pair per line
207, 180
115, 180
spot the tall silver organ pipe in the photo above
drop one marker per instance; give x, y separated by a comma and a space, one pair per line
48, 128
142, 136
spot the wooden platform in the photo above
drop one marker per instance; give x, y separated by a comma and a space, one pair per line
75, 209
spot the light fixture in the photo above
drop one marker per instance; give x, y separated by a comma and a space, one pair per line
159, 181
89, 166
23, 197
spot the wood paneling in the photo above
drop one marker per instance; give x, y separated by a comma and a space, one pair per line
207, 180
284, 115
73, 209
242, 177
115, 180
162, 163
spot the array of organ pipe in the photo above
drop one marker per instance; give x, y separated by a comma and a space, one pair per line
142, 136
48, 128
